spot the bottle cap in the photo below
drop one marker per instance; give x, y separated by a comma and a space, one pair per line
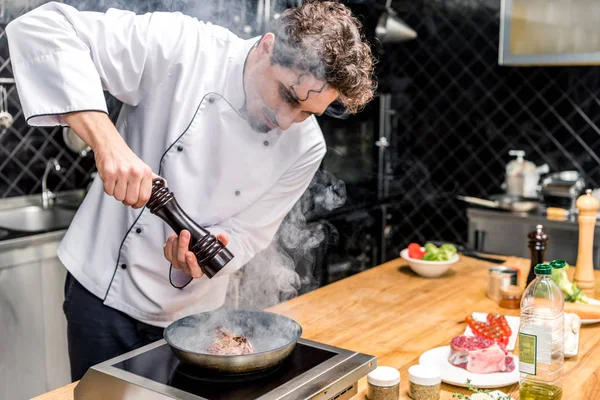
543, 269
384, 376
558, 264
425, 375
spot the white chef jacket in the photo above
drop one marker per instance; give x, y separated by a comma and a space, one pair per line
181, 82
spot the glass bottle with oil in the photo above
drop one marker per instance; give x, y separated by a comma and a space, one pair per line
541, 341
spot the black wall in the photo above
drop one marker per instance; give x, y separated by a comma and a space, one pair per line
459, 113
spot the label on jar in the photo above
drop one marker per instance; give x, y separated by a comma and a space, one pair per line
535, 347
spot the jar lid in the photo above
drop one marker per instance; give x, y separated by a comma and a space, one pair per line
425, 375
384, 376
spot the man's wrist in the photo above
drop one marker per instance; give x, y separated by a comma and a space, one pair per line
94, 128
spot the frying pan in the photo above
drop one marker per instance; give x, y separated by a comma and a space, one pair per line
504, 202
273, 337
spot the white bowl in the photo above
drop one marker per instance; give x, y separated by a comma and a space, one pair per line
428, 269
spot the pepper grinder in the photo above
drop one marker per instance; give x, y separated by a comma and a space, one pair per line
538, 240
212, 256
584, 273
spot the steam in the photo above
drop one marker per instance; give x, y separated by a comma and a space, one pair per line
264, 331
286, 267
276, 274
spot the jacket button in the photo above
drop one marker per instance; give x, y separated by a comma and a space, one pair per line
138, 230
179, 148
211, 100
266, 143
237, 192
123, 266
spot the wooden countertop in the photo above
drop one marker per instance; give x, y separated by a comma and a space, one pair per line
391, 313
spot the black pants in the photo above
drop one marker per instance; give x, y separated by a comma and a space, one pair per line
97, 333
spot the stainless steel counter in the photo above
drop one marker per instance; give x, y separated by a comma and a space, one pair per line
33, 340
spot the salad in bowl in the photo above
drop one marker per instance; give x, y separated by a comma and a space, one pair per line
430, 261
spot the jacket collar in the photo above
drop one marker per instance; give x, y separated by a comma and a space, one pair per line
234, 87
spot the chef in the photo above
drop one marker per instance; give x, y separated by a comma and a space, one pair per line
228, 123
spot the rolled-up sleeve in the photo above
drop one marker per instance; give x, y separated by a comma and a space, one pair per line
253, 229
63, 59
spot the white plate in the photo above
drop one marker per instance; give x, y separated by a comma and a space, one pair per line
452, 375
513, 322
591, 321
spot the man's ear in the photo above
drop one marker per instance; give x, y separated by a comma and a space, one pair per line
265, 47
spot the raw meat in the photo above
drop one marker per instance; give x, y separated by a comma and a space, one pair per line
479, 355
226, 343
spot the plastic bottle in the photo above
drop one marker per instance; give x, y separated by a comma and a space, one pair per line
541, 342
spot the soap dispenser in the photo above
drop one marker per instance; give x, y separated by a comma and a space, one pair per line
522, 176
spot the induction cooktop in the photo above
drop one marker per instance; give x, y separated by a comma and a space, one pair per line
312, 371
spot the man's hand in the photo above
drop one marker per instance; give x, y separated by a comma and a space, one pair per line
177, 253
125, 175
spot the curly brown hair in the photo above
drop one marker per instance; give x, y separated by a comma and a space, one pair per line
324, 39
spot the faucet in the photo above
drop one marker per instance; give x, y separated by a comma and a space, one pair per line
48, 196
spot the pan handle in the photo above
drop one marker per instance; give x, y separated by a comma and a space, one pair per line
479, 202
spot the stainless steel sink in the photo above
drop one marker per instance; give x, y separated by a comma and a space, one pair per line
36, 219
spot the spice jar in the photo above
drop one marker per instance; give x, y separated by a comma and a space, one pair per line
425, 382
510, 297
500, 277
384, 384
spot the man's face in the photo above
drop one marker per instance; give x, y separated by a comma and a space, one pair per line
276, 97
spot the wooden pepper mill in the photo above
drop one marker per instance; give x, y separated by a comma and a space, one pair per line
584, 273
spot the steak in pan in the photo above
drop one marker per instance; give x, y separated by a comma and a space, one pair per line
226, 343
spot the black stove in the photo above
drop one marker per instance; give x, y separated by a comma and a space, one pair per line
312, 371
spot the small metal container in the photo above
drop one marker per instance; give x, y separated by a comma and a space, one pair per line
501, 277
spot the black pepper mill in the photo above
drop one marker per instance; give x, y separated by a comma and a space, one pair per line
212, 256
537, 246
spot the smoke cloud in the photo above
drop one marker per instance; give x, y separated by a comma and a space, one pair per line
287, 267
278, 273
265, 331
